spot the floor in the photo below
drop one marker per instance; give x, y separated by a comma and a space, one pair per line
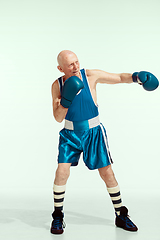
26, 214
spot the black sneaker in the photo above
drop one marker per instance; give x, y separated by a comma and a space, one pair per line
57, 223
124, 222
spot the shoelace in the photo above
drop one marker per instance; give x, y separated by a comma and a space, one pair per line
58, 223
128, 221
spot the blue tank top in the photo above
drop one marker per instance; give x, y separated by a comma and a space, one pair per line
83, 106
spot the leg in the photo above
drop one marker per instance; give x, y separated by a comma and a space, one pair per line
107, 175
122, 219
62, 174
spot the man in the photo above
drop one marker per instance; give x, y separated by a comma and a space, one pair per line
75, 100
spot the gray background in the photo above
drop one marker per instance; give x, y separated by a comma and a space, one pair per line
115, 36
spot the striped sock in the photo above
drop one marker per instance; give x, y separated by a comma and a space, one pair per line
116, 198
59, 192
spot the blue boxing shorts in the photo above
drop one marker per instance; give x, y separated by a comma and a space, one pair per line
89, 139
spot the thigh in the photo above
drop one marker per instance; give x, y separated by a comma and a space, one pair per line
96, 154
69, 148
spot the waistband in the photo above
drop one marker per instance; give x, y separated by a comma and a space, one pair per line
82, 125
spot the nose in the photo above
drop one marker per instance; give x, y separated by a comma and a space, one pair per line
75, 66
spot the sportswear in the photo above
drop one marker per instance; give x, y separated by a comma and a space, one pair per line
146, 79
115, 196
88, 135
124, 222
57, 223
71, 87
92, 142
83, 106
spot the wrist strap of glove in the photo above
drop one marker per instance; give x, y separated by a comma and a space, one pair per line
134, 77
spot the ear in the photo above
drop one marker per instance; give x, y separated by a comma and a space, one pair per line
60, 69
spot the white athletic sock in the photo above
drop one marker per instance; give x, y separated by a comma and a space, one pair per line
116, 198
59, 193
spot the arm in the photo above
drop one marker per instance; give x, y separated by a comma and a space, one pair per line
100, 76
59, 111
146, 79
61, 104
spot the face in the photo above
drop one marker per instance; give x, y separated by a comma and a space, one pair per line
70, 65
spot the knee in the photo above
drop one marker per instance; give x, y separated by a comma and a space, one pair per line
106, 173
62, 172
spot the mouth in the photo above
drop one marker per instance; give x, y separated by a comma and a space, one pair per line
76, 72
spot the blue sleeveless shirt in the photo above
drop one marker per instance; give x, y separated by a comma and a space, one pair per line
83, 106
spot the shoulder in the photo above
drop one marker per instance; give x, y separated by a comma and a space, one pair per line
55, 84
55, 88
100, 76
93, 75
90, 72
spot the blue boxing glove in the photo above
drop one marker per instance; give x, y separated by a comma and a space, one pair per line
146, 79
71, 87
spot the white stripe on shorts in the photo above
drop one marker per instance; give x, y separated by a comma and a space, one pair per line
106, 143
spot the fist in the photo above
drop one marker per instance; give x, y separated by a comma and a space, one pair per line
146, 79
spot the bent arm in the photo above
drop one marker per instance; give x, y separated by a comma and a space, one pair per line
59, 111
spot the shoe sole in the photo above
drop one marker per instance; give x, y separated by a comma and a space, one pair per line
54, 231
128, 229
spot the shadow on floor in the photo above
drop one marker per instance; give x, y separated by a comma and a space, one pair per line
84, 219
42, 218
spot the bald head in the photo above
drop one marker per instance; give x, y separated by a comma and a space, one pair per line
63, 56
68, 64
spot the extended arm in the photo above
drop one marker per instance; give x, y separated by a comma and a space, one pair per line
146, 79
100, 76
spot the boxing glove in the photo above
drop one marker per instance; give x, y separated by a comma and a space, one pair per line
71, 87
146, 79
